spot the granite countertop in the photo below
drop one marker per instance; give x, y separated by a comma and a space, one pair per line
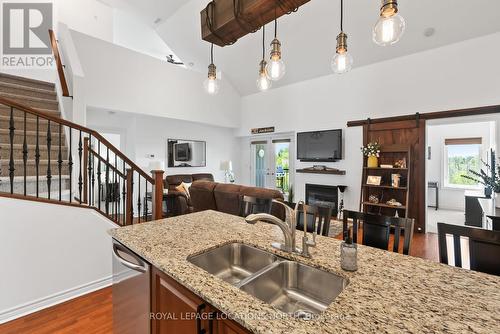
390, 293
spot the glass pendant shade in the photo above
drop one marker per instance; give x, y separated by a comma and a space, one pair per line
388, 30
263, 82
342, 62
276, 69
211, 86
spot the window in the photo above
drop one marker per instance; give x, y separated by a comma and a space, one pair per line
461, 155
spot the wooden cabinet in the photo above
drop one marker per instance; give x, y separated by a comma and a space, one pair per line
226, 326
473, 211
176, 310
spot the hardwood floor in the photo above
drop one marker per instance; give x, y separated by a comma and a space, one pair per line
92, 313
89, 314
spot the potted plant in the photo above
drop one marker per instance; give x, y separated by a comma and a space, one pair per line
489, 178
372, 151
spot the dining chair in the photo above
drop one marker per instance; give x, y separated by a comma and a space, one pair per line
400, 224
324, 220
251, 205
376, 230
311, 214
357, 218
483, 247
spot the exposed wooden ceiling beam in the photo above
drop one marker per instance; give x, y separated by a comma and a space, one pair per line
223, 24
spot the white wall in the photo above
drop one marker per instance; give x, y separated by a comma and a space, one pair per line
144, 135
133, 33
91, 17
452, 198
117, 78
439, 79
50, 253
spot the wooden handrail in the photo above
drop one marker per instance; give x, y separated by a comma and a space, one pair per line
59, 64
94, 134
111, 167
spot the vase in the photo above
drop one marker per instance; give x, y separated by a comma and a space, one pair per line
372, 162
496, 200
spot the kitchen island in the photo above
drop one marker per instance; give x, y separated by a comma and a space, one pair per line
389, 293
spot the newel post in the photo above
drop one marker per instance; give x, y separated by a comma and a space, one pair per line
157, 194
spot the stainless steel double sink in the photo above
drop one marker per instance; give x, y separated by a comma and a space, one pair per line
294, 288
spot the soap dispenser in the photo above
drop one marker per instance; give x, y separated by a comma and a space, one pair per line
349, 254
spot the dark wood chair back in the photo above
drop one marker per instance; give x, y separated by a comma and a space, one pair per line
311, 215
405, 225
484, 247
324, 220
251, 205
357, 218
377, 230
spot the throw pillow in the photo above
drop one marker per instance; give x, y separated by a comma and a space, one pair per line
186, 187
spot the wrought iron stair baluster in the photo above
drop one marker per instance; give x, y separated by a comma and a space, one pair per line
49, 170
60, 162
25, 154
80, 178
70, 165
12, 167
37, 156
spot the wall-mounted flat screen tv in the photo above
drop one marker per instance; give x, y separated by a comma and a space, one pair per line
319, 146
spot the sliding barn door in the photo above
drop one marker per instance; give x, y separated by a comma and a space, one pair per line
412, 133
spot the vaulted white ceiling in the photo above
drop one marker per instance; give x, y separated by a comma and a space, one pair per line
308, 36
153, 10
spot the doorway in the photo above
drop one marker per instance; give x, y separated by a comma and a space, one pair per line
272, 162
455, 147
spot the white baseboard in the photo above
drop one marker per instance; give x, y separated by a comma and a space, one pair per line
57, 298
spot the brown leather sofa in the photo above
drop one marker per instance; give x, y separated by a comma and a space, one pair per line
208, 195
178, 203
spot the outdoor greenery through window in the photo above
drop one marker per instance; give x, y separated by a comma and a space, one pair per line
282, 166
462, 155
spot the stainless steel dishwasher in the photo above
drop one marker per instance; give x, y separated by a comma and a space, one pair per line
131, 292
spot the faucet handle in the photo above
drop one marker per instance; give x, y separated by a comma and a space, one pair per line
305, 247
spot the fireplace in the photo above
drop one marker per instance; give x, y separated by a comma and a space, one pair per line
321, 195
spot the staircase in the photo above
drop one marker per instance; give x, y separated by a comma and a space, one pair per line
41, 96
46, 158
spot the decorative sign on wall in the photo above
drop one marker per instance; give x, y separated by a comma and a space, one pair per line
269, 129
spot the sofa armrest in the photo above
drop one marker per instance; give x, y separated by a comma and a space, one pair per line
177, 203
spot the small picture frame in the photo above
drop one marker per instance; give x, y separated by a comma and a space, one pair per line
395, 180
374, 180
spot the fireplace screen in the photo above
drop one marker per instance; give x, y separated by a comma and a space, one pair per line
325, 196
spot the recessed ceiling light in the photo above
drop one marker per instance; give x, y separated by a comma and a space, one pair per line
429, 32
191, 64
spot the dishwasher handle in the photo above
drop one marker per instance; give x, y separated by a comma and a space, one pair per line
142, 268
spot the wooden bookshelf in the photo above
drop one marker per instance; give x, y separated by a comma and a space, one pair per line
385, 187
389, 154
382, 205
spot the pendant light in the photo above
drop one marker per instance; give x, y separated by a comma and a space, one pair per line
263, 81
342, 61
211, 84
276, 67
390, 26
